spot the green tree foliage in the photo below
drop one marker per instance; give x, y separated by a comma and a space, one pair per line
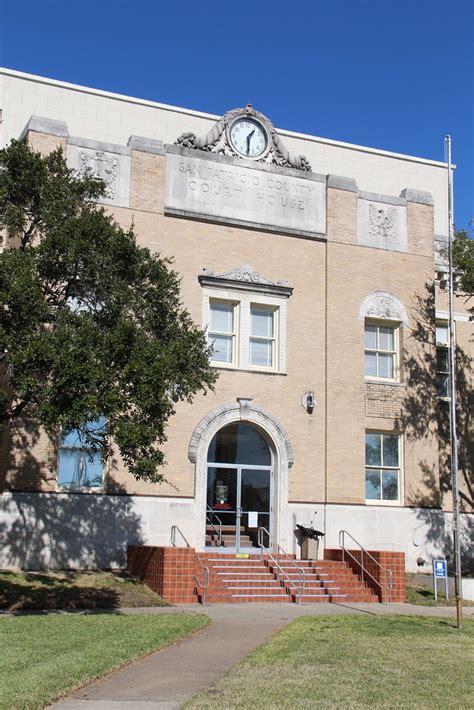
463, 259
91, 324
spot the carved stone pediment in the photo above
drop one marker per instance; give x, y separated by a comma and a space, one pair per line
383, 305
244, 278
217, 141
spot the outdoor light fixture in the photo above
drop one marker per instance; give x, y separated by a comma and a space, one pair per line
309, 402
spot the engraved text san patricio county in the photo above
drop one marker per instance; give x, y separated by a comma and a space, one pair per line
238, 194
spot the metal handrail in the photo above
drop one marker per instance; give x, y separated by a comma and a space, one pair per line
174, 530
388, 572
205, 583
217, 530
281, 571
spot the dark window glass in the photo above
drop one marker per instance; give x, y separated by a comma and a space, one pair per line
241, 444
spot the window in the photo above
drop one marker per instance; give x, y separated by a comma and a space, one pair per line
442, 359
380, 351
78, 466
222, 331
244, 332
262, 336
382, 467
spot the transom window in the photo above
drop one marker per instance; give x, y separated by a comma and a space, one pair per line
382, 467
380, 350
442, 359
262, 336
222, 331
78, 466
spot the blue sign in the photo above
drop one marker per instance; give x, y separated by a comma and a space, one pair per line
440, 568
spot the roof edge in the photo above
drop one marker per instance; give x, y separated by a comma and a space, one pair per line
201, 114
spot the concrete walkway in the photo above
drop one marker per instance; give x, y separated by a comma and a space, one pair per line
166, 679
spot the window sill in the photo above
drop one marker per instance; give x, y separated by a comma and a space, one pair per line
249, 370
74, 489
384, 503
389, 383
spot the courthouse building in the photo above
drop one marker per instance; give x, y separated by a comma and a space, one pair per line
312, 264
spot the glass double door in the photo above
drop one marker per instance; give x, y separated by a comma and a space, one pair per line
238, 502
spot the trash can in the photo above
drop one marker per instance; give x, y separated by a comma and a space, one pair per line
309, 542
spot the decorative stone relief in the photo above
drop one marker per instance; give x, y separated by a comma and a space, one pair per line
382, 224
103, 166
107, 162
244, 273
216, 141
381, 304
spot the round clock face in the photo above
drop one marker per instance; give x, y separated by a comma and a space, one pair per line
248, 137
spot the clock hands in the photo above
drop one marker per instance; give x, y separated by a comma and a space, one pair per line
248, 140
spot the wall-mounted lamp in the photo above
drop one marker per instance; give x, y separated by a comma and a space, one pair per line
309, 402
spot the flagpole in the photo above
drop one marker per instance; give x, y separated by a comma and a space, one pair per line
452, 397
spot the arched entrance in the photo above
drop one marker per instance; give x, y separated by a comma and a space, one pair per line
281, 453
239, 488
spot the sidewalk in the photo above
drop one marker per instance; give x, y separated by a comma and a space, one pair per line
166, 679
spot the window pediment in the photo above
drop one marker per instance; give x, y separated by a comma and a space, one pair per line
244, 278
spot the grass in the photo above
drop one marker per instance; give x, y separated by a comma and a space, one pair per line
353, 662
43, 657
423, 595
20, 591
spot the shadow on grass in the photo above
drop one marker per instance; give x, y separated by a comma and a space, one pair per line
38, 592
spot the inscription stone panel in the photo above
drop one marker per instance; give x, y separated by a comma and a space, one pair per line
226, 190
382, 224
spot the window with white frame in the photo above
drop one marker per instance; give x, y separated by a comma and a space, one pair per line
381, 346
222, 332
262, 351
79, 467
382, 467
442, 359
244, 314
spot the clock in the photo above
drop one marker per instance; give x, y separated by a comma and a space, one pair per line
248, 137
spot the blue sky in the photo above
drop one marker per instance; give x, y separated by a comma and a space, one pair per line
393, 74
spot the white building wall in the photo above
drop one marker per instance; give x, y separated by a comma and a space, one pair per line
112, 118
89, 531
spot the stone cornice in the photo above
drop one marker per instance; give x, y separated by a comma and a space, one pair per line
244, 278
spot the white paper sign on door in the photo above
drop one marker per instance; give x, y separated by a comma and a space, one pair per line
253, 519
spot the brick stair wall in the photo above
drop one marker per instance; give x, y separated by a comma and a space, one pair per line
171, 573
394, 561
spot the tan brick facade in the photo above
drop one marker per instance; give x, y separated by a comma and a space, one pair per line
324, 350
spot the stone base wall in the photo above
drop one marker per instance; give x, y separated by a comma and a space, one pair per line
92, 531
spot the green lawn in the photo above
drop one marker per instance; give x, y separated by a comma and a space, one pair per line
354, 662
43, 657
73, 590
422, 594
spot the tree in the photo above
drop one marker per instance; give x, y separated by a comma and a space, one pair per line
91, 324
463, 260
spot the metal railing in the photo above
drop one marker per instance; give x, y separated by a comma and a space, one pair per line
217, 530
363, 555
174, 530
205, 583
280, 572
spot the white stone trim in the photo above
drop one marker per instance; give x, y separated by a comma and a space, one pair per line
282, 454
383, 306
